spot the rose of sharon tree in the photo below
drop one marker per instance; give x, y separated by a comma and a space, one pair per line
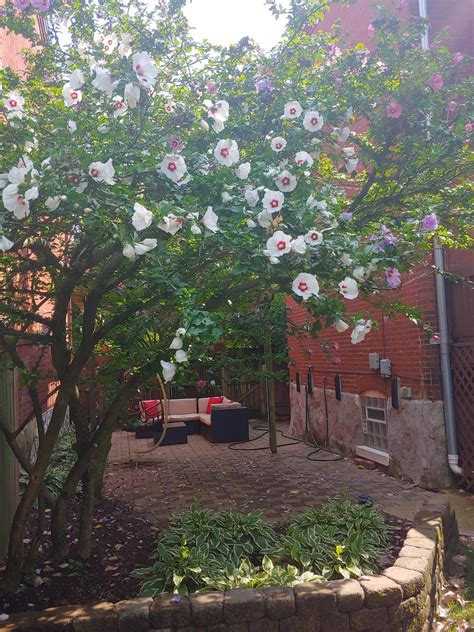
150, 180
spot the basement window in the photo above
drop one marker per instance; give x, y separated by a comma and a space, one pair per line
374, 422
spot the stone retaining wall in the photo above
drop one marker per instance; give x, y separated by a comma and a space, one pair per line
402, 598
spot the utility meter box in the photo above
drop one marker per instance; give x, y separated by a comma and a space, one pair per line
374, 361
385, 367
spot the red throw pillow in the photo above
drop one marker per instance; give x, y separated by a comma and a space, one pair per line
211, 401
151, 408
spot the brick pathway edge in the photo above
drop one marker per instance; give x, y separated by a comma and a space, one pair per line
404, 597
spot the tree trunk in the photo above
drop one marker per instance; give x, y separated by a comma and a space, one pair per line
86, 514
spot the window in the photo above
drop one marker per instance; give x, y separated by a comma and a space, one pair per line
374, 422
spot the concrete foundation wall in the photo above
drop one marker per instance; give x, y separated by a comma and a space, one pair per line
416, 432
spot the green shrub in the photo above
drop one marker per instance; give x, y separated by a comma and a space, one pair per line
337, 539
206, 550
62, 460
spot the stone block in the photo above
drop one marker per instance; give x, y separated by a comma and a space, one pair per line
411, 582
99, 617
279, 602
229, 627
300, 624
191, 628
422, 531
207, 608
52, 619
414, 551
349, 594
134, 615
380, 591
421, 542
168, 611
264, 625
243, 604
314, 600
366, 619
406, 612
335, 622
419, 564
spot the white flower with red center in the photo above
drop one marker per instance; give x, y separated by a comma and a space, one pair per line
5, 244
273, 201
313, 121
348, 288
173, 166
120, 106
279, 244
218, 111
313, 237
53, 202
138, 249
251, 196
169, 370
360, 331
13, 102
102, 171
292, 110
76, 79
286, 182
141, 217
210, 220
302, 157
243, 171
227, 152
145, 69
131, 95
71, 97
306, 285
170, 107
107, 42
171, 224
341, 326
103, 80
298, 245
278, 144
16, 202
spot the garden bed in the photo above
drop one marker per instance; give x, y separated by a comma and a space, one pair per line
123, 542
402, 597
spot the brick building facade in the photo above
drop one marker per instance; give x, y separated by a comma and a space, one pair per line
410, 440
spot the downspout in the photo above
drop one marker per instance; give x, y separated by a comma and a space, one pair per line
449, 418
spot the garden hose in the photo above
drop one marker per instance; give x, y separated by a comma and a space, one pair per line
295, 441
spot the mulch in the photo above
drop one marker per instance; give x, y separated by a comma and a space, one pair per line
123, 542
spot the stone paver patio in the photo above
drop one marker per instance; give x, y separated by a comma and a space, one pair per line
170, 478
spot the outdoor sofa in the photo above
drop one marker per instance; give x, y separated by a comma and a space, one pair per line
218, 419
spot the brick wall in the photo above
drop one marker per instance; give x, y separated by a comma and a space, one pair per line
414, 359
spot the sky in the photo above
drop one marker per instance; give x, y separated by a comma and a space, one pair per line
225, 22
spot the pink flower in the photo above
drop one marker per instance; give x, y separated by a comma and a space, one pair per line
435, 82
457, 58
201, 384
41, 5
430, 222
175, 144
371, 30
22, 4
212, 87
336, 360
394, 110
469, 127
393, 277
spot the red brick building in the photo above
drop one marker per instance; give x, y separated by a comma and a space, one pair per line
411, 439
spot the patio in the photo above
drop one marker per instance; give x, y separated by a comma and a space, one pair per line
170, 478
